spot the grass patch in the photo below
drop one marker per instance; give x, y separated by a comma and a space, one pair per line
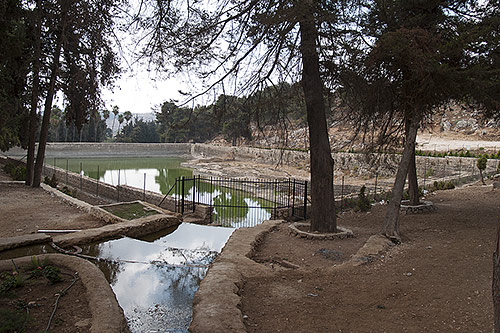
130, 211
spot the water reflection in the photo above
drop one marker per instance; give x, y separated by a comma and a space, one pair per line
232, 208
155, 280
161, 172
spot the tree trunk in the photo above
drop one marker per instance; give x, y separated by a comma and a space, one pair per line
33, 123
391, 222
482, 177
323, 218
37, 177
412, 173
496, 283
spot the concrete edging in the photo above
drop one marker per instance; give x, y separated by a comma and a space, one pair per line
107, 315
215, 304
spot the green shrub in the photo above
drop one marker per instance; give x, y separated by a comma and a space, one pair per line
363, 203
481, 162
429, 172
52, 181
15, 172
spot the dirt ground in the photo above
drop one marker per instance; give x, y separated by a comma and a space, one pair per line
438, 280
37, 296
24, 210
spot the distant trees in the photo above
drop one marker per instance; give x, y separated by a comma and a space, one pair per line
73, 51
139, 130
15, 47
60, 131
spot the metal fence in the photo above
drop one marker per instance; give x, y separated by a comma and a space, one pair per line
241, 202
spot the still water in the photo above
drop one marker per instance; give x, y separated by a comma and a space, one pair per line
159, 175
154, 278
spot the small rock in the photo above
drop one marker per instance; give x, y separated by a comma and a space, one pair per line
409, 274
245, 317
312, 295
429, 247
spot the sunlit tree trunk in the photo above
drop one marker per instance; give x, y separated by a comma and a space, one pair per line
323, 217
391, 222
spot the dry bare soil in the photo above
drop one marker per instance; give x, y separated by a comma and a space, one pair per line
438, 280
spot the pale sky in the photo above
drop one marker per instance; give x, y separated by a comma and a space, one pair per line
140, 91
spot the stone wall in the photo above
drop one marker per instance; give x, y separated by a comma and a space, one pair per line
354, 164
104, 149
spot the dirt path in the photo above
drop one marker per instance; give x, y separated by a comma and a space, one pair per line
24, 210
439, 280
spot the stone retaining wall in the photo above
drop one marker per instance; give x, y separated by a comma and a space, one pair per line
105, 149
356, 164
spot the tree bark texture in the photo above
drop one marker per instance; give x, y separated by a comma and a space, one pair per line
496, 283
412, 173
323, 218
33, 124
37, 176
391, 222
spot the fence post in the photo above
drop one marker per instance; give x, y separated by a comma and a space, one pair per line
81, 180
425, 170
97, 191
459, 169
194, 191
118, 186
342, 195
144, 192
67, 172
444, 170
305, 200
182, 195
211, 194
199, 179
288, 196
293, 199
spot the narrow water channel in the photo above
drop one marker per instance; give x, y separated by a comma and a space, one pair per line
154, 278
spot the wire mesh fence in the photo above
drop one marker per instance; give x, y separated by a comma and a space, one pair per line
246, 202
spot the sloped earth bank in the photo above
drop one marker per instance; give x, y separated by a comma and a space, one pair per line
438, 280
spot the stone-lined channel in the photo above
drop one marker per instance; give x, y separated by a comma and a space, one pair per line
154, 278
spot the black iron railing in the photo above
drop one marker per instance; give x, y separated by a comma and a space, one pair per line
241, 202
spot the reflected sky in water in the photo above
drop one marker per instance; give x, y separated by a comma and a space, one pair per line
158, 174
155, 295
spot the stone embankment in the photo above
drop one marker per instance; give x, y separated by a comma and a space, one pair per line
350, 164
